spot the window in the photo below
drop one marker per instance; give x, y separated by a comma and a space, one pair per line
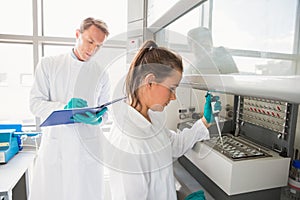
260, 25
64, 24
195, 18
24, 40
258, 37
14, 88
52, 50
3, 79
156, 9
16, 17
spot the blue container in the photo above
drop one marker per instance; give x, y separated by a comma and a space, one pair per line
9, 145
17, 127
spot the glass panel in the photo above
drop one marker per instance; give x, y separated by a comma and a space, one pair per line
17, 76
10, 24
263, 66
179, 29
64, 24
157, 8
251, 27
261, 25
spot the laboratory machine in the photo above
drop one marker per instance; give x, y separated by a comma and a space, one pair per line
252, 158
9, 145
11, 140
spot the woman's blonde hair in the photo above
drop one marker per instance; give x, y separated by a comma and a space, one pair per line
150, 59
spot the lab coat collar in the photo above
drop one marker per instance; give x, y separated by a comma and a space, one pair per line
147, 129
137, 118
75, 57
157, 118
135, 124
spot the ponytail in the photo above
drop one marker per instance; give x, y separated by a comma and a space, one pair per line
150, 59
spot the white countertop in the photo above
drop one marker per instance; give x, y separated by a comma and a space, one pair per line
11, 172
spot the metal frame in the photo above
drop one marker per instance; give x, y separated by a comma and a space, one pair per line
283, 144
179, 9
297, 39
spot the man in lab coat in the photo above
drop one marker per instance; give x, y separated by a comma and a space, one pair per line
66, 166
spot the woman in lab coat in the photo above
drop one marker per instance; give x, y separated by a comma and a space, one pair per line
142, 149
65, 168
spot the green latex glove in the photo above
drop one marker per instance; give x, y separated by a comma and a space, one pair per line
208, 112
90, 118
76, 103
199, 195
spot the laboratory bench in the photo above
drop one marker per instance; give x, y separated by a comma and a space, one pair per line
14, 179
186, 184
14, 176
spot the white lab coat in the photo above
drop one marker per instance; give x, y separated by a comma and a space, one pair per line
141, 154
65, 167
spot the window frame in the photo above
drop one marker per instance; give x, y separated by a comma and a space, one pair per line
38, 41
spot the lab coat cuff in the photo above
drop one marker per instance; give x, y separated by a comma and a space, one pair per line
201, 129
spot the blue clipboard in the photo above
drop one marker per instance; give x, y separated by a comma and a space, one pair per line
60, 117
